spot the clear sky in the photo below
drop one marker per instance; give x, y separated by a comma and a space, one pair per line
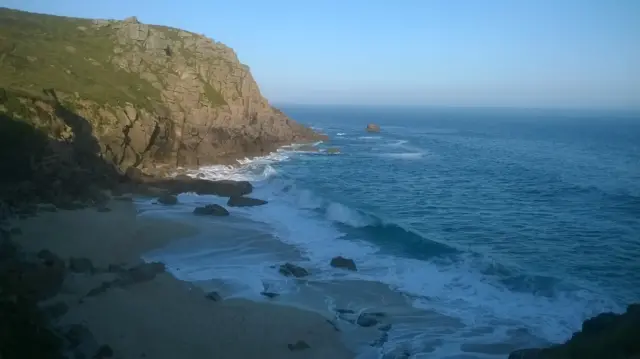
568, 53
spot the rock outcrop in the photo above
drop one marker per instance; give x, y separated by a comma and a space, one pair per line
344, 263
239, 201
607, 335
292, 270
372, 127
142, 96
211, 210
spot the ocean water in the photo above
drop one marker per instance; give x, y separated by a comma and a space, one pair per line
477, 231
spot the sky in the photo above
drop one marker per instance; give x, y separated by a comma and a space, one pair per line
504, 53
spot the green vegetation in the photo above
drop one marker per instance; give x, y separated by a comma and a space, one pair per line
66, 54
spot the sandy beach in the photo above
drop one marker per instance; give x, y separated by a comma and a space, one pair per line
116, 306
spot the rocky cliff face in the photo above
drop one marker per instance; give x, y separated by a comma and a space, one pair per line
150, 96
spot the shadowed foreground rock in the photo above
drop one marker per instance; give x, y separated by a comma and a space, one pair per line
605, 336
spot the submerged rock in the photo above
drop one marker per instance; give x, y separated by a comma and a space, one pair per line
292, 270
211, 210
333, 151
372, 127
269, 295
237, 201
344, 263
367, 320
299, 345
168, 200
214, 296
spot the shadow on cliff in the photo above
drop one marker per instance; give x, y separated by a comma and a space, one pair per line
38, 163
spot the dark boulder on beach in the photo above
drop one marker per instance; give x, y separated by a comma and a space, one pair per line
211, 210
239, 201
292, 270
607, 335
141, 273
372, 127
344, 263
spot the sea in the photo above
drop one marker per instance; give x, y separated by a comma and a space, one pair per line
475, 231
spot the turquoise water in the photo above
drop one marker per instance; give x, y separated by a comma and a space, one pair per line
479, 231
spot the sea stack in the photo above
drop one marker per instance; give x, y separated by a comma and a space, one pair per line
372, 127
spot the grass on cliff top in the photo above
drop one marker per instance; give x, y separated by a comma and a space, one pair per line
67, 54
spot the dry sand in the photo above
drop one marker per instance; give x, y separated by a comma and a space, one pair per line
164, 317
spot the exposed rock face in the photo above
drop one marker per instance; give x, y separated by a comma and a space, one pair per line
372, 127
150, 95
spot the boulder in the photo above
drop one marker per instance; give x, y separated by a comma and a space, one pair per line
168, 200
333, 151
211, 210
214, 296
80, 265
238, 201
299, 345
367, 320
372, 127
141, 273
269, 295
345, 263
133, 174
292, 270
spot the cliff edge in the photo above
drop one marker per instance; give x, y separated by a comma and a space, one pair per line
151, 96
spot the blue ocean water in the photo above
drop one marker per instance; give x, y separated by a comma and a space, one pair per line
479, 230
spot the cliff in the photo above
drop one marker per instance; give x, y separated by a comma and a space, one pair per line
146, 96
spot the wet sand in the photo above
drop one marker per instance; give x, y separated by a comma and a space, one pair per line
160, 316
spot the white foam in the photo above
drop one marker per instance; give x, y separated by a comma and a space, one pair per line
249, 169
458, 289
398, 143
369, 137
340, 134
340, 213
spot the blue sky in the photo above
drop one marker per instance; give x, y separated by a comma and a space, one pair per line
524, 53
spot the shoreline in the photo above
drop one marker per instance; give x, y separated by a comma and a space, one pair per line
106, 284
